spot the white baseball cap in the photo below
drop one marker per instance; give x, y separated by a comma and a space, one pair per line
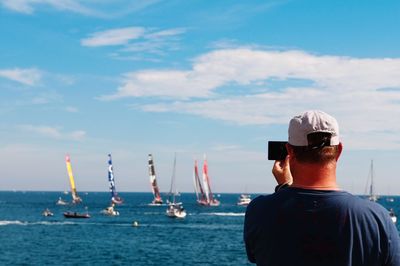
311, 122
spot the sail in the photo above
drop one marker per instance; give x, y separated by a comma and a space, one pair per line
200, 195
153, 182
75, 197
114, 195
207, 185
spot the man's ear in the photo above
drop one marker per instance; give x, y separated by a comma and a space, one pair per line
340, 149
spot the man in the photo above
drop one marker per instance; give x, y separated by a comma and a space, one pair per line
309, 220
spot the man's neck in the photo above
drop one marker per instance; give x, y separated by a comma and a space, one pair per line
309, 176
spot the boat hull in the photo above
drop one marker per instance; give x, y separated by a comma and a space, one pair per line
76, 215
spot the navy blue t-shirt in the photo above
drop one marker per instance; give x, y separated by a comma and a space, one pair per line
315, 227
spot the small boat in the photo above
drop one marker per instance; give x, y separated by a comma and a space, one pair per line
157, 201
175, 209
244, 200
110, 211
60, 201
47, 212
392, 215
76, 215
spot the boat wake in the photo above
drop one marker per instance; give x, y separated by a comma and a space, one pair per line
224, 213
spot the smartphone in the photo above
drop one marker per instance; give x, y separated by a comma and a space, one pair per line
277, 150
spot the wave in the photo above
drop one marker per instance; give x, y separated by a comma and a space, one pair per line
224, 213
12, 223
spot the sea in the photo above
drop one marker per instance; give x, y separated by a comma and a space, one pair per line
206, 236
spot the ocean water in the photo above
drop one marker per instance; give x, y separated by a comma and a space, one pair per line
207, 236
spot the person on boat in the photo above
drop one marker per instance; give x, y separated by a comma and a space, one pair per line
309, 220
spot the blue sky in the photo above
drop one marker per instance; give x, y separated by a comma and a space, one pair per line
88, 78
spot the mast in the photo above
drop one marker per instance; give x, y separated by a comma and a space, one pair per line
114, 195
172, 189
372, 195
75, 197
153, 181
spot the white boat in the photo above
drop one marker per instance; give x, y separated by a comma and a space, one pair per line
75, 198
211, 201
392, 215
157, 200
174, 209
60, 201
244, 200
47, 212
110, 211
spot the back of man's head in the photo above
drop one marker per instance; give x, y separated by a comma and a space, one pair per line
314, 137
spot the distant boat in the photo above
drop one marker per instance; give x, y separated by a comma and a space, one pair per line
244, 200
75, 198
110, 211
47, 212
371, 195
60, 201
198, 187
114, 195
115, 199
157, 201
175, 209
76, 215
392, 215
211, 201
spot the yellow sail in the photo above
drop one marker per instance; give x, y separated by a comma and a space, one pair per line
75, 197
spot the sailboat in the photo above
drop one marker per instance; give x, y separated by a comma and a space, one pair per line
371, 195
115, 199
198, 187
211, 201
75, 198
157, 201
175, 209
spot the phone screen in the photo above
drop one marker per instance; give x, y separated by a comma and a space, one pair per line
277, 150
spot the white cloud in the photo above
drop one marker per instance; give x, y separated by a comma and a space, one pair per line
28, 76
54, 132
113, 37
103, 9
352, 89
136, 43
28, 6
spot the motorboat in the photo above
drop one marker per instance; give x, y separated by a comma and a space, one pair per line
110, 211
60, 201
176, 210
47, 212
244, 200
